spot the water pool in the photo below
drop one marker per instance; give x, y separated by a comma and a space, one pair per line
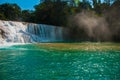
60, 62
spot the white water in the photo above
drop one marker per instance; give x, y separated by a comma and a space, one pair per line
21, 32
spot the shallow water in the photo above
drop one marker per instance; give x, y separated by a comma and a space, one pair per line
30, 62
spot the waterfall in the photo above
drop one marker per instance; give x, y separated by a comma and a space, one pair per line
22, 32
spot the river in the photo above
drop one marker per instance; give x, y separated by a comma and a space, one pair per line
54, 62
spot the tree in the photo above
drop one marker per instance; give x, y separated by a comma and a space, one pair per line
2, 17
97, 6
10, 11
85, 4
53, 13
108, 2
113, 18
28, 16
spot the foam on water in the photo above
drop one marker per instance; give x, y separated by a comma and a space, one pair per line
21, 32
9, 46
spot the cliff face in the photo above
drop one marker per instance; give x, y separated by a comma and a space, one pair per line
21, 32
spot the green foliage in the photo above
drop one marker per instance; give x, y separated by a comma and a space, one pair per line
59, 13
28, 16
10, 11
2, 17
54, 13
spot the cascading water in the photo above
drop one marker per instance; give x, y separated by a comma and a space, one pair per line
21, 32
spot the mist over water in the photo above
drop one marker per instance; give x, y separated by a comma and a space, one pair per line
94, 26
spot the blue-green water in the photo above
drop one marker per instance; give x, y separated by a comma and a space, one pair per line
28, 62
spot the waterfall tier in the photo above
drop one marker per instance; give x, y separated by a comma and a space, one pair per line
22, 32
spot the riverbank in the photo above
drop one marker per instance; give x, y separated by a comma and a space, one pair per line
81, 46
84, 46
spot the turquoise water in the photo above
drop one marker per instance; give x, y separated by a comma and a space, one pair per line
28, 62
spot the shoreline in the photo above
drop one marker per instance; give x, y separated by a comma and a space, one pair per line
81, 46
85, 46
